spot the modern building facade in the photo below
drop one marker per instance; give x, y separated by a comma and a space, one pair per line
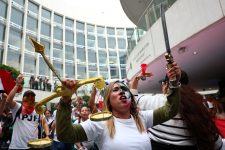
78, 50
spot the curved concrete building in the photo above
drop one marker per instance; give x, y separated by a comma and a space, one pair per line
196, 30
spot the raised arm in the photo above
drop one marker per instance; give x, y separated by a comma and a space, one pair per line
10, 97
2, 102
134, 82
91, 102
171, 107
46, 127
66, 132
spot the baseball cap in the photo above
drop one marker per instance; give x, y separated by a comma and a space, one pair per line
29, 92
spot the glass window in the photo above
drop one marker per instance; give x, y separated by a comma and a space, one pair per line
21, 2
33, 7
90, 40
32, 23
111, 42
91, 37
2, 32
45, 29
43, 67
13, 58
3, 9
57, 50
90, 28
114, 71
80, 26
17, 17
28, 45
58, 19
80, 39
81, 71
102, 57
58, 33
92, 56
104, 74
70, 70
69, 36
29, 63
121, 43
110, 31
92, 74
69, 22
15, 37
90, 43
81, 55
100, 30
103, 68
123, 56
92, 71
46, 14
58, 67
123, 73
92, 68
1, 55
112, 57
47, 46
120, 31
69, 52
101, 42
130, 32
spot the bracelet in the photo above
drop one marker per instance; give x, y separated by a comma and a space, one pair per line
172, 86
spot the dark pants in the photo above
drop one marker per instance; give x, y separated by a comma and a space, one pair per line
61, 146
160, 146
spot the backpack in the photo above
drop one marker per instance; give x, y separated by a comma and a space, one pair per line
8, 125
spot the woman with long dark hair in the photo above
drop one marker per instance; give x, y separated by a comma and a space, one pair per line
191, 129
198, 119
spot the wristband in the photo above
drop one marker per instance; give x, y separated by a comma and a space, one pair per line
172, 86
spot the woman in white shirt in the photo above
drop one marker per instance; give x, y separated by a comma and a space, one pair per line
127, 128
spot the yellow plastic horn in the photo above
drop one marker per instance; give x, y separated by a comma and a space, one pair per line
63, 91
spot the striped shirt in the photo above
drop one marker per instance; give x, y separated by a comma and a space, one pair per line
173, 131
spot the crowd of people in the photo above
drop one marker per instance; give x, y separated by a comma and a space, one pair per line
40, 83
179, 118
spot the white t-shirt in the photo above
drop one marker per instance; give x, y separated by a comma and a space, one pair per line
86, 144
25, 129
150, 102
127, 136
54, 118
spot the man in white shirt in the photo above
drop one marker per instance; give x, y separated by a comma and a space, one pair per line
26, 120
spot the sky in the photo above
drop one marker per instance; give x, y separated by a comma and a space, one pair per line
101, 12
